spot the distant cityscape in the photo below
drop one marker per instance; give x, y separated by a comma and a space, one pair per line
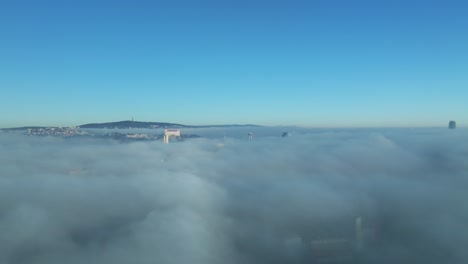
92, 130
73, 132
86, 130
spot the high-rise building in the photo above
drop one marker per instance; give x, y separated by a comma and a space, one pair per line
170, 133
452, 124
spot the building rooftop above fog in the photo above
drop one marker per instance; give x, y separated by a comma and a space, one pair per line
452, 124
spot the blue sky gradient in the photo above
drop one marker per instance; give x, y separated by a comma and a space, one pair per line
306, 63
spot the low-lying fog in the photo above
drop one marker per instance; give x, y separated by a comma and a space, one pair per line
226, 199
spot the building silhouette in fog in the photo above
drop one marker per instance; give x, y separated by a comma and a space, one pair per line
452, 124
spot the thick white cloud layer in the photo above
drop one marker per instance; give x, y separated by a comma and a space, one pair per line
234, 201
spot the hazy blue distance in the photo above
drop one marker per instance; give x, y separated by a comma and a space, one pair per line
306, 63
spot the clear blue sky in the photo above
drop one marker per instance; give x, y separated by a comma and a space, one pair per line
307, 63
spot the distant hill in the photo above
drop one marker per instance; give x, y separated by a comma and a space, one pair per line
132, 124
233, 125
137, 124
22, 128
